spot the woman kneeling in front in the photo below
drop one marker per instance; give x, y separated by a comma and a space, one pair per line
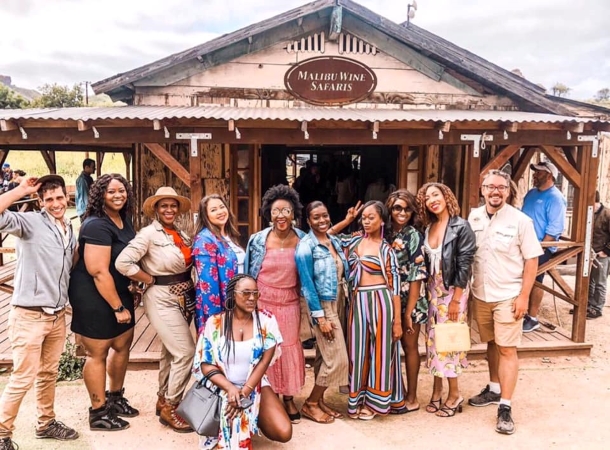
236, 348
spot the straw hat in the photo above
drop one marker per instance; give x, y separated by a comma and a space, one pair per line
165, 192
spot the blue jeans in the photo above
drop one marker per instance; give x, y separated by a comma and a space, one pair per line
597, 282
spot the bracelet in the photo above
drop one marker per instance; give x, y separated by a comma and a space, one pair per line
250, 387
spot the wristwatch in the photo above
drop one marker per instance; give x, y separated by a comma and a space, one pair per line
119, 309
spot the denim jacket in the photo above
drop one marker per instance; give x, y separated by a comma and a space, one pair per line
318, 271
255, 251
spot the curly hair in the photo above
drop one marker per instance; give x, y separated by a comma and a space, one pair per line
230, 307
411, 202
429, 217
95, 206
203, 221
280, 192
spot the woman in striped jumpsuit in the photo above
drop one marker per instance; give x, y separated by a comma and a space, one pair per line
374, 320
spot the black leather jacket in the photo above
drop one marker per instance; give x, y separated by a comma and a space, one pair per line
459, 247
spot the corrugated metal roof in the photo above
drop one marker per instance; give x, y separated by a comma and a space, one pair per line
289, 114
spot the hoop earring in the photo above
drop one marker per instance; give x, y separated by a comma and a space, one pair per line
293, 223
232, 302
271, 223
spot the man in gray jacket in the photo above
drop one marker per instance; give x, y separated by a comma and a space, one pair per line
36, 321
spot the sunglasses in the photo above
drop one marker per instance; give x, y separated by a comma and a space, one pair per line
399, 209
248, 294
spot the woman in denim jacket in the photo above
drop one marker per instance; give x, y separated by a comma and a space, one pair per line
323, 271
270, 259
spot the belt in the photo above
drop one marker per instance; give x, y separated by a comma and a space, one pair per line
168, 280
38, 309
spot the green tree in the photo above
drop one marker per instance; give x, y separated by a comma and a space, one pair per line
56, 96
10, 100
602, 95
560, 90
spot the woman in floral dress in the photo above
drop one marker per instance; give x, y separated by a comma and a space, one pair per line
450, 245
408, 244
234, 352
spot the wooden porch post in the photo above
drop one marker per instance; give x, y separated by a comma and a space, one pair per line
195, 176
470, 193
583, 213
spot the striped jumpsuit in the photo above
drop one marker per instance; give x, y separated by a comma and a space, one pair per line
375, 378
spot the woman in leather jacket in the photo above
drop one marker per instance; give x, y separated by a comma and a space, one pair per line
449, 246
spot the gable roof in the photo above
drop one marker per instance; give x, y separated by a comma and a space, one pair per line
441, 53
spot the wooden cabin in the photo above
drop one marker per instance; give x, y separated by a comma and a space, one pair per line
337, 84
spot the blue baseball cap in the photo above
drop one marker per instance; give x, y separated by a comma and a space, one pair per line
5, 165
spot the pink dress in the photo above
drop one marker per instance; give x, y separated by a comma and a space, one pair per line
279, 287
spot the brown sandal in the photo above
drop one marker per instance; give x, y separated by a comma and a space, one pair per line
324, 419
328, 410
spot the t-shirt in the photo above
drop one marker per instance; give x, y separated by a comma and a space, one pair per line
548, 211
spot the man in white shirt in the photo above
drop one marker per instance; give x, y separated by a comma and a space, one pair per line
503, 275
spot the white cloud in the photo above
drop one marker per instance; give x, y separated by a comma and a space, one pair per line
69, 41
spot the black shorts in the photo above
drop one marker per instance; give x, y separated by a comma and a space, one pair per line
541, 260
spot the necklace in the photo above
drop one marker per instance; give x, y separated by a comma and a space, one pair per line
241, 326
282, 240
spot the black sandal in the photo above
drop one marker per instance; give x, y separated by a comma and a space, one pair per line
294, 417
434, 406
448, 411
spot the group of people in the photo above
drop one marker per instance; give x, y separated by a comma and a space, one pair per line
412, 264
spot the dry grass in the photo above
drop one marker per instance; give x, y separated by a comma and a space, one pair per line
69, 164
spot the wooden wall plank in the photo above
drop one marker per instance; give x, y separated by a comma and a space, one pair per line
167, 159
432, 164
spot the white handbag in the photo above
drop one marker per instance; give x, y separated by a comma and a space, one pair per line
452, 337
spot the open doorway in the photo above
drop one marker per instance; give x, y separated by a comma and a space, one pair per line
339, 176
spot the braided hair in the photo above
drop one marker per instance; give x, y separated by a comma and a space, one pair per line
230, 308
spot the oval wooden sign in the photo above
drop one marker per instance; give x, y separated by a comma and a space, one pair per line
330, 80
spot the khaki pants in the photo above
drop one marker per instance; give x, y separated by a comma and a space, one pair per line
37, 341
178, 348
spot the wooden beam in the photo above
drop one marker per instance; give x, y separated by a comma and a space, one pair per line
584, 199
601, 127
8, 125
432, 161
49, 159
174, 165
562, 164
570, 153
445, 127
82, 125
523, 163
578, 127
510, 127
471, 184
336, 23
559, 257
272, 135
558, 279
127, 157
99, 160
498, 161
194, 178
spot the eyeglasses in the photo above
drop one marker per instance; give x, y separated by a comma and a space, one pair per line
284, 212
491, 188
248, 294
399, 209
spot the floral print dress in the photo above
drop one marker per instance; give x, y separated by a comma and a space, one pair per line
238, 433
215, 263
444, 365
408, 244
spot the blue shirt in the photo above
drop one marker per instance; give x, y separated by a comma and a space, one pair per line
547, 209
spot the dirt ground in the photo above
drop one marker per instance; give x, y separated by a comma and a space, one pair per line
555, 406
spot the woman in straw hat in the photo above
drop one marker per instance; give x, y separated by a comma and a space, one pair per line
160, 257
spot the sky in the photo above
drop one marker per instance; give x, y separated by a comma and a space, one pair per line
72, 41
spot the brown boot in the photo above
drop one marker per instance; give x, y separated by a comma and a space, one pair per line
160, 404
170, 418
